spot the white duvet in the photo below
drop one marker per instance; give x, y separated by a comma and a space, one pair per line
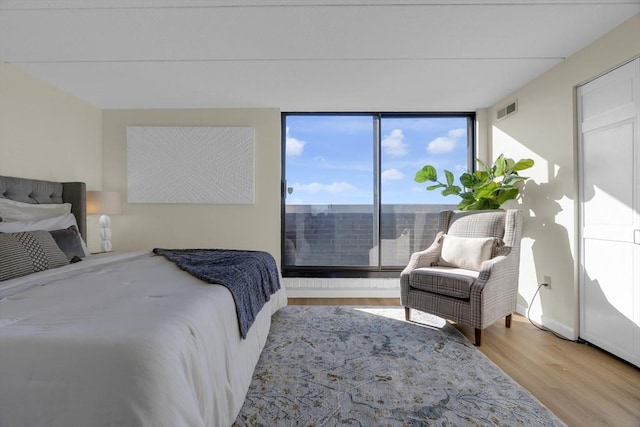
124, 340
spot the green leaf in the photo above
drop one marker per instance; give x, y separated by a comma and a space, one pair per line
464, 205
449, 176
486, 190
466, 201
522, 165
470, 180
469, 197
451, 190
482, 176
482, 204
435, 187
468, 205
491, 204
510, 163
500, 166
513, 180
427, 173
505, 195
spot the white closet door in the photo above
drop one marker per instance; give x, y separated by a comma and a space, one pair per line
609, 168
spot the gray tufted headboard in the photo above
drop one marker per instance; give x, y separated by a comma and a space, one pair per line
36, 191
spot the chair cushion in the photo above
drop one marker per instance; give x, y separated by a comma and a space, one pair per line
453, 282
466, 252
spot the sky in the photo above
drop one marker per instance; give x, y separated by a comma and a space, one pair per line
330, 159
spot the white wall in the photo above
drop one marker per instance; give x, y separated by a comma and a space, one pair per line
46, 133
145, 226
544, 129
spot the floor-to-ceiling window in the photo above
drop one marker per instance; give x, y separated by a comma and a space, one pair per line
350, 203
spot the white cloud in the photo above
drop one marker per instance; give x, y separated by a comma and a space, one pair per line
294, 146
457, 133
339, 187
312, 188
391, 175
394, 145
316, 187
441, 145
445, 144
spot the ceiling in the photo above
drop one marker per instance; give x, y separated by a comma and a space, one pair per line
298, 55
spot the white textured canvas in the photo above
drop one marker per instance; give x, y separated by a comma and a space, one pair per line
190, 164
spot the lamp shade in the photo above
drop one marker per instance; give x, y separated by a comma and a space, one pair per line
103, 202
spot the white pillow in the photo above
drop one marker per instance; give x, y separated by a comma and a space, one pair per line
11, 210
48, 224
465, 252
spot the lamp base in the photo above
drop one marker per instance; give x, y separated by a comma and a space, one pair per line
105, 245
105, 233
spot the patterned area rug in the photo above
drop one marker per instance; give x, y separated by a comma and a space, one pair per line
329, 366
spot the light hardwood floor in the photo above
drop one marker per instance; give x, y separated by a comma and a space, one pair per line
581, 384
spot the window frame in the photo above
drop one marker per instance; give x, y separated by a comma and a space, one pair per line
378, 271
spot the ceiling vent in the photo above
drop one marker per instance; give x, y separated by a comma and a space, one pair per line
510, 109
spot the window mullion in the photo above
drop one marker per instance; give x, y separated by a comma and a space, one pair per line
376, 186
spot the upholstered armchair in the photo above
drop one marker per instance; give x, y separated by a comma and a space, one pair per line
470, 272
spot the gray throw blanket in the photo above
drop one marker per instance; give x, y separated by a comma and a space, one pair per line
251, 276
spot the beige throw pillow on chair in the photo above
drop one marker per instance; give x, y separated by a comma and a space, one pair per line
465, 252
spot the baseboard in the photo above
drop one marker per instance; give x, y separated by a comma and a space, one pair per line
541, 319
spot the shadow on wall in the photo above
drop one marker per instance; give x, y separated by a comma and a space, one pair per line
541, 203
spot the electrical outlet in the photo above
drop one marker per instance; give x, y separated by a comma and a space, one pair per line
547, 282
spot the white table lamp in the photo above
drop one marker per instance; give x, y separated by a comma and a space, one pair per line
104, 203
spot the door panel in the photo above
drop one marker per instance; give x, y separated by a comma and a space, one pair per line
608, 302
607, 191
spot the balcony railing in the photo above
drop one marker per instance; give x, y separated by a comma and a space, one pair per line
345, 235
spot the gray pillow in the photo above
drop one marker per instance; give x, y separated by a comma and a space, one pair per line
68, 240
28, 252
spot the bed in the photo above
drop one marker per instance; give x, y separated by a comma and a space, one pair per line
119, 339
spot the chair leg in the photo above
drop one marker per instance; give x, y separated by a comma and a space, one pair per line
507, 321
478, 337
407, 312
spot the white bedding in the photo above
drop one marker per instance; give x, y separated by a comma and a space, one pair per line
124, 340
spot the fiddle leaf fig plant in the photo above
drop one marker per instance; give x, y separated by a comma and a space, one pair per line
487, 188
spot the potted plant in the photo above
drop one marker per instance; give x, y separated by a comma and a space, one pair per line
487, 188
